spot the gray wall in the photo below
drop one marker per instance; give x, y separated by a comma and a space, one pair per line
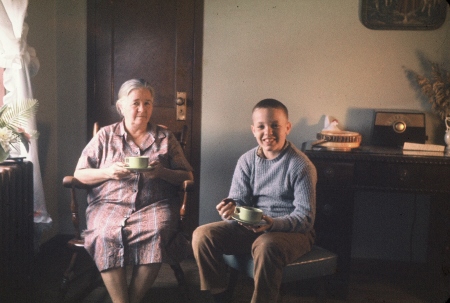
314, 55
319, 59
58, 33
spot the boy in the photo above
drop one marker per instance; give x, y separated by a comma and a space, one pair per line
280, 180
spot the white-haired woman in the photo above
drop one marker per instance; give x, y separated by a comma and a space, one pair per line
131, 216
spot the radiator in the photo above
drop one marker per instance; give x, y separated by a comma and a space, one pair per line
16, 230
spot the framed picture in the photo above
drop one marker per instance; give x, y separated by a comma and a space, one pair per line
403, 14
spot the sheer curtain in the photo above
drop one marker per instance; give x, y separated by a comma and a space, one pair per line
20, 63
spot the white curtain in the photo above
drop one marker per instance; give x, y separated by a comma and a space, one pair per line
20, 63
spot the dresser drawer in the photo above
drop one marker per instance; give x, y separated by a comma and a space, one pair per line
403, 176
334, 173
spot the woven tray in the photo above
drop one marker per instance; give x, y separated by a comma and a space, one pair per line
342, 140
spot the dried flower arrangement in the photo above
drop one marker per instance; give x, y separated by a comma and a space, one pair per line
437, 89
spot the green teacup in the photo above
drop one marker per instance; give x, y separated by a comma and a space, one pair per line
249, 214
136, 162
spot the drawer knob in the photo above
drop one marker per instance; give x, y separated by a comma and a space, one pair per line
329, 172
327, 210
403, 174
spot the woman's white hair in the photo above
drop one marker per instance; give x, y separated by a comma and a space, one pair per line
130, 85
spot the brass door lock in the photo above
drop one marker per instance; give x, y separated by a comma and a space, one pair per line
181, 106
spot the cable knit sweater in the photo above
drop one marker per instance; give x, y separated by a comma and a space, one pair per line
284, 187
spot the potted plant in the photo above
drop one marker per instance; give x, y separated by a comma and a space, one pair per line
13, 117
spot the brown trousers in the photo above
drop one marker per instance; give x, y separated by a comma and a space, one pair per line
271, 252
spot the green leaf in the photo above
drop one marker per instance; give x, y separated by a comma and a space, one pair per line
24, 141
2, 109
16, 114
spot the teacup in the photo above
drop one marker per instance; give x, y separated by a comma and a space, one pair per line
249, 214
137, 162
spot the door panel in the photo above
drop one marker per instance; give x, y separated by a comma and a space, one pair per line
156, 40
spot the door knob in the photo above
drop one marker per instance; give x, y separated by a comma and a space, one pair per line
180, 101
181, 106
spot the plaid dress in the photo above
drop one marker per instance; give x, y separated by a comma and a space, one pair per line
130, 221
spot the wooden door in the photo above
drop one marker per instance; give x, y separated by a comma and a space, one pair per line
156, 40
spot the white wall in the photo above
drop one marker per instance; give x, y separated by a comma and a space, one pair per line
316, 57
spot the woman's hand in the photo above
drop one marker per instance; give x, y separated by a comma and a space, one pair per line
226, 208
176, 177
156, 171
117, 171
91, 176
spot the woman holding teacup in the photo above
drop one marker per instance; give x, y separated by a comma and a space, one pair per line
132, 215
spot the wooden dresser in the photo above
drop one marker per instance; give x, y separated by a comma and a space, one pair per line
368, 168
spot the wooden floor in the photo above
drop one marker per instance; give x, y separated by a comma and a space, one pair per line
374, 282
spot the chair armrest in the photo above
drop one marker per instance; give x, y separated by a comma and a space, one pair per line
73, 183
187, 186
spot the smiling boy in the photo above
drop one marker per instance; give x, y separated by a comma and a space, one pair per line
280, 180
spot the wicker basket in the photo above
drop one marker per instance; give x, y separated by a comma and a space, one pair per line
338, 140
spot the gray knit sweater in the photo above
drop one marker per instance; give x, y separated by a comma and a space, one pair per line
284, 188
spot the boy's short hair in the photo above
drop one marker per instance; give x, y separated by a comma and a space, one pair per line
271, 103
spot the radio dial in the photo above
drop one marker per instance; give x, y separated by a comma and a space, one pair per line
399, 126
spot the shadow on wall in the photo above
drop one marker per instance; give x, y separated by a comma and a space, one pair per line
302, 132
217, 172
361, 120
358, 120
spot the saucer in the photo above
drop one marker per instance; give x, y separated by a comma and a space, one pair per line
236, 217
140, 169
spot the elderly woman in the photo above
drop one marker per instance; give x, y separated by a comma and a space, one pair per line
132, 216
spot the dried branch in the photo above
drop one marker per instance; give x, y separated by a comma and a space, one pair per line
437, 89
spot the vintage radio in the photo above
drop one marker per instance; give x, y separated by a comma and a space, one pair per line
393, 128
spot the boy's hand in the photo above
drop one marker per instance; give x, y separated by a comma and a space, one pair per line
226, 208
259, 228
